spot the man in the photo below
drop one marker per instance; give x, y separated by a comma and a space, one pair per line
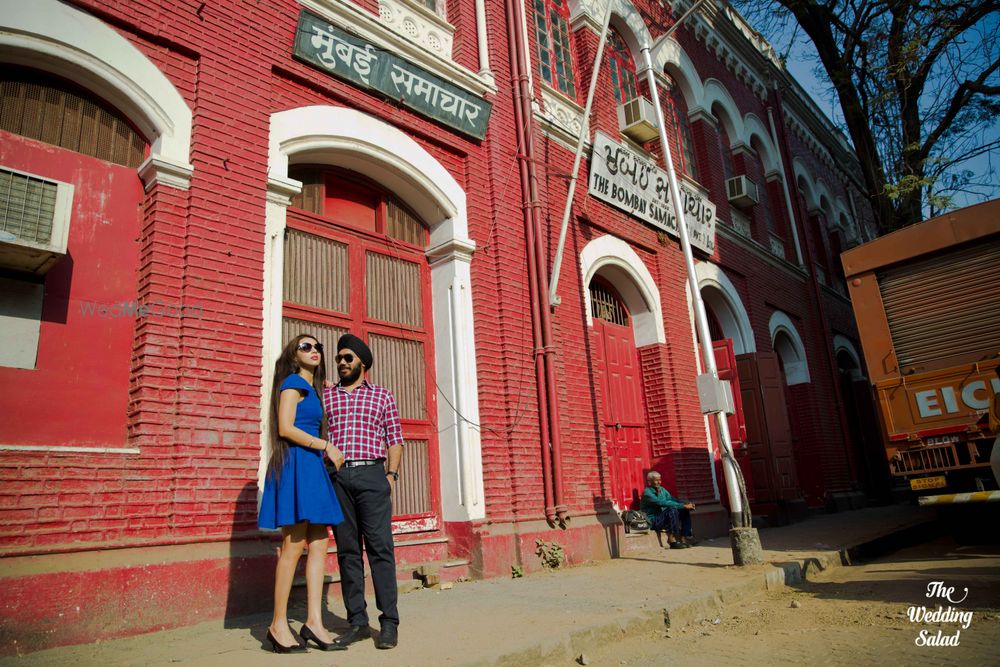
667, 513
365, 426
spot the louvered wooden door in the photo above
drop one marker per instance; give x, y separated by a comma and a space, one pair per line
358, 268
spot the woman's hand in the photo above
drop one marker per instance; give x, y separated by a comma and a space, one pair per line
329, 384
335, 455
689, 506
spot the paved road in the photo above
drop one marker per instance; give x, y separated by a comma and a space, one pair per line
849, 616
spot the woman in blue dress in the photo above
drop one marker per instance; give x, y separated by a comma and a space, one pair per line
298, 495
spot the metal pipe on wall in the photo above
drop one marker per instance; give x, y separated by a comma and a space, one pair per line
520, 80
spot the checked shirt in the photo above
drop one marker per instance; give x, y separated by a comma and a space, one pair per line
363, 423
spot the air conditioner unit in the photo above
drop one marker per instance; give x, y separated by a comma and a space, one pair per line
741, 191
34, 221
637, 119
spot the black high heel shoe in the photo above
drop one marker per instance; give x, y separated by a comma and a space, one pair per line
281, 648
310, 636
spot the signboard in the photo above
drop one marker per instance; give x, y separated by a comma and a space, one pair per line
353, 59
630, 182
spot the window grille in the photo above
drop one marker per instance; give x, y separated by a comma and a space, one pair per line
605, 305
38, 107
27, 207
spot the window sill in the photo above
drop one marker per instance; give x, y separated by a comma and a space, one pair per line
562, 111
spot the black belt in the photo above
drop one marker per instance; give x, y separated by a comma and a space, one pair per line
362, 462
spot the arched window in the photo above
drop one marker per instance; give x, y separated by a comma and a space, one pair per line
606, 304
680, 129
623, 78
726, 157
48, 109
555, 55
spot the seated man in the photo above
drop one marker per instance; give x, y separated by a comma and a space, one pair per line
666, 512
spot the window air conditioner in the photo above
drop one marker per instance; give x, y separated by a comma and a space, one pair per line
34, 221
741, 191
637, 119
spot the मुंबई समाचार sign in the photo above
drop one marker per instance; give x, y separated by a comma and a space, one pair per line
630, 182
351, 58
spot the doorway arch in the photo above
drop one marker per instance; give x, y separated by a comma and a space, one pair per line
346, 139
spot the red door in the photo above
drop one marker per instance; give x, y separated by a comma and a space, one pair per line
624, 411
725, 360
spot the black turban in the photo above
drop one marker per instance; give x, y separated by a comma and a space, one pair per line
357, 346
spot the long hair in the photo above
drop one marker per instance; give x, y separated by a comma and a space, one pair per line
287, 364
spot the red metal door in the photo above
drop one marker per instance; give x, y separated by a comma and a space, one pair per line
624, 411
725, 360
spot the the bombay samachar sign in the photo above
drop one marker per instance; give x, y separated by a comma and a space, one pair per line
628, 181
367, 66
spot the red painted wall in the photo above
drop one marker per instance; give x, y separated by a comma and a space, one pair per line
77, 394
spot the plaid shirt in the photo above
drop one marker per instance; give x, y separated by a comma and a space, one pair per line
363, 423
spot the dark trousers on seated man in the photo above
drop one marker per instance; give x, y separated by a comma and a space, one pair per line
672, 520
364, 496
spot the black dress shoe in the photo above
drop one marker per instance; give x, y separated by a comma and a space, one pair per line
281, 648
355, 634
388, 638
310, 636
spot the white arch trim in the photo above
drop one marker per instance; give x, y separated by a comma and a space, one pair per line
56, 38
794, 361
667, 52
350, 139
843, 344
802, 175
617, 262
754, 127
721, 296
714, 93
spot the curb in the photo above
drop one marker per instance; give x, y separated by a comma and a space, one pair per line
770, 577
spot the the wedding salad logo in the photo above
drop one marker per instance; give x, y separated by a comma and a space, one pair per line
938, 593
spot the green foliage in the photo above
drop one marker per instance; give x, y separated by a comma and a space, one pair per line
551, 553
516, 571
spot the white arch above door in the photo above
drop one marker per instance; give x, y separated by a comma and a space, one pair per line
353, 140
619, 264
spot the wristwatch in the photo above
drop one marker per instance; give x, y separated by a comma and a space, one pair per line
392, 473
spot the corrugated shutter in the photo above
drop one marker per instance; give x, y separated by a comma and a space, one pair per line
400, 367
393, 290
945, 309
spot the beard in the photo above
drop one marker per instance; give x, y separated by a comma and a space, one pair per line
351, 376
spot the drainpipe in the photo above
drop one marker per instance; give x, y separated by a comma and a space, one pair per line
521, 101
817, 292
548, 346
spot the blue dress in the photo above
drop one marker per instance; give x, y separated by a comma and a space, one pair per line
303, 491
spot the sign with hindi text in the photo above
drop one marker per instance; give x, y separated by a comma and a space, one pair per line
630, 182
367, 66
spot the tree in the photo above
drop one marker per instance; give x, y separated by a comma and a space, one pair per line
918, 86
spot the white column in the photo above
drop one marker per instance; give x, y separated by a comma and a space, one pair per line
484, 50
458, 394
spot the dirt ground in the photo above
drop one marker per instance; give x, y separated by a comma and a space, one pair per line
848, 616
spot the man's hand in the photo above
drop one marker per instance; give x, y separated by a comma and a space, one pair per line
335, 455
392, 484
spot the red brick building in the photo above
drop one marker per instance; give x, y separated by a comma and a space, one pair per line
188, 184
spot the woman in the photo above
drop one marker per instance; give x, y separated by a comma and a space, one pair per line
666, 512
298, 495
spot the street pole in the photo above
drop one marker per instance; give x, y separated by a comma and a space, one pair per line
743, 537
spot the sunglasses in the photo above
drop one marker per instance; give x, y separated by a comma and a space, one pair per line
309, 347
349, 358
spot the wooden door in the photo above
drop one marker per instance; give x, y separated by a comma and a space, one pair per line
623, 413
769, 436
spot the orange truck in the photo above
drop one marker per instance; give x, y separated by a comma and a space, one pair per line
926, 299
